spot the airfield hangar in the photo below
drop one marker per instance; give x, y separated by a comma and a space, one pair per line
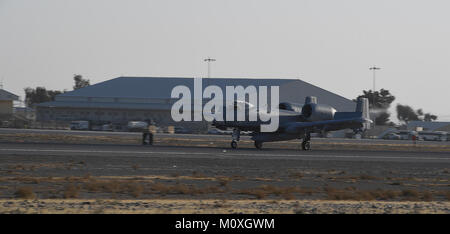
6, 104
125, 99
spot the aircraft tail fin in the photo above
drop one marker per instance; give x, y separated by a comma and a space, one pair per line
362, 107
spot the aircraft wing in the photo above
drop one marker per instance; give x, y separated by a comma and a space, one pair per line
327, 125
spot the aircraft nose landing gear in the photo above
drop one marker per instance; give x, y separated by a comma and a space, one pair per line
258, 144
306, 143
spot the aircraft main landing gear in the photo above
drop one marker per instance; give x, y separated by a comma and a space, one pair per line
236, 137
306, 143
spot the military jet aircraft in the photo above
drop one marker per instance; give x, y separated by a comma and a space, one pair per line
299, 123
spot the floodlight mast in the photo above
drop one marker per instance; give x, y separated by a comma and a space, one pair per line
374, 69
209, 60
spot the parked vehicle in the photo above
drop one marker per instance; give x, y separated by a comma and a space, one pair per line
79, 125
407, 135
216, 131
137, 126
5, 124
107, 127
433, 136
182, 130
399, 135
392, 136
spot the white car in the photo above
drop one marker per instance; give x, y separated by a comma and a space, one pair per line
136, 126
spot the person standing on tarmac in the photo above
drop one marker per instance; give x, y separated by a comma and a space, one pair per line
147, 134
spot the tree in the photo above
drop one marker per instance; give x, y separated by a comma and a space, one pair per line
382, 117
80, 82
419, 112
405, 113
39, 95
379, 99
429, 117
379, 102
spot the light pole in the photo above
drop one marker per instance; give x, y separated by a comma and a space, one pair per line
209, 60
374, 69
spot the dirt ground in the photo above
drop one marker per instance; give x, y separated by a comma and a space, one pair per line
171, 206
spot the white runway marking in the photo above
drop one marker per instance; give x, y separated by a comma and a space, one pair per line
221, 154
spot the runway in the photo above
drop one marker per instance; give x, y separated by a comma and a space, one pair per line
215, 171
156, 160
130, 151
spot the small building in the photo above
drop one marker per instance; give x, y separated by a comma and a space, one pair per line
125, 99
7, 104
429, 126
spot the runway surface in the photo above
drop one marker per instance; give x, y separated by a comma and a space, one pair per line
132, 151
218, 172
117, 160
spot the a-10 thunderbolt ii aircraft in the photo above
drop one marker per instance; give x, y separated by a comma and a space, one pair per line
299, 123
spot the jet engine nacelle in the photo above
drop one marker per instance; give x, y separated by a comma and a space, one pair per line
318, 112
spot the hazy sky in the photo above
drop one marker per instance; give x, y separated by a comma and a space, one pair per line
330, 43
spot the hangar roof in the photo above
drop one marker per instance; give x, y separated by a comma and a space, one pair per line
291, 90
5, 95
158, 87
106, 105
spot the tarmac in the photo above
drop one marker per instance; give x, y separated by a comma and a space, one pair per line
197, 167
